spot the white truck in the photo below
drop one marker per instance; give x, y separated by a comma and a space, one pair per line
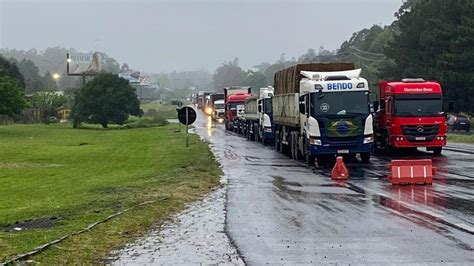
219, 110
258, 116
321, 113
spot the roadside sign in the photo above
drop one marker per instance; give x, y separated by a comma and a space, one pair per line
186, 115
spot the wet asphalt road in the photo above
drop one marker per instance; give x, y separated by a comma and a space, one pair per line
280, 211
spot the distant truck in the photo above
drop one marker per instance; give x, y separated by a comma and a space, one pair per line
321, 110
219, 110
201, 99
234, 98
209, 109
258, 124
410, 116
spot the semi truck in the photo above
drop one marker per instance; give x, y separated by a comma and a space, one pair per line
219, 110
201, 99
258, 116
212, 98
234, 106
410, 116
322, 110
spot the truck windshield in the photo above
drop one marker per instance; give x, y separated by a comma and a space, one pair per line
219, 106
233, 106
418, 106
267, 106
340, 103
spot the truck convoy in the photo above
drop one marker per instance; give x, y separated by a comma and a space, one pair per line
410, 116
234, 98
319, 110
322, 109
258, 116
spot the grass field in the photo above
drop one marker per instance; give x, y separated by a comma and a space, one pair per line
466, 138
56, 180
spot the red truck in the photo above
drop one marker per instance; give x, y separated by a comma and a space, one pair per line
410, 116
234, 98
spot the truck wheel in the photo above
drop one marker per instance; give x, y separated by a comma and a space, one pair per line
437, 150
310, 159
276, 141
365, 157
387, 147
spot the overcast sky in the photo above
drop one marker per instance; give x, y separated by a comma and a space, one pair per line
170, 35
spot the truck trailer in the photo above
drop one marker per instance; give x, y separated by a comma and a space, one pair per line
410, 116
258, 125
322, 110
234, 98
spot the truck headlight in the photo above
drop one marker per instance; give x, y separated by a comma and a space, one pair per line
368, 139
315, 141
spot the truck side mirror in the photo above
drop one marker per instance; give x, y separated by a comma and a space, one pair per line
451, 107
376, 105
259, 108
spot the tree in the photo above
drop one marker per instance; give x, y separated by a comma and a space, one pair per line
48, 102
11, 70
229, 74
435, 41
256, 80
33, 81
12, 101
105, 99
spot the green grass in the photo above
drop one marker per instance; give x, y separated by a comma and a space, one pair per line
164, 110
466, 138
84, 175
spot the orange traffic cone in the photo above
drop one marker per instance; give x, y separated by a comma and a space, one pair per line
339, 172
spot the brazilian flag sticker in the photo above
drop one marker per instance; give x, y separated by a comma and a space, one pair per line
344, 128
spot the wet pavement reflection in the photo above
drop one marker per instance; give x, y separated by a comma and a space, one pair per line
279, 211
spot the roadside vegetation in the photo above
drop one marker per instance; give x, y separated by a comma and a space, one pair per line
461, 137
57, 180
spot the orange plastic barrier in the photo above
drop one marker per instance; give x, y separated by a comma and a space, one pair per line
340, 172
412, 171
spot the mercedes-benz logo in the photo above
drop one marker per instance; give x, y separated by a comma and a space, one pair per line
420, 129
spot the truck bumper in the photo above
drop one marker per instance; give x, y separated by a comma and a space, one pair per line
333, 148
402, 142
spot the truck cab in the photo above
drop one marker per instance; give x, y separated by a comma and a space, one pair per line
265, 115
410, 116
219, 110
235, 110
335, 113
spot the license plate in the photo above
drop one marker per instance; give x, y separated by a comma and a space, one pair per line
462, 123
343, 151
420, 138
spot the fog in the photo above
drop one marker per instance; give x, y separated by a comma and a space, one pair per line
181, 35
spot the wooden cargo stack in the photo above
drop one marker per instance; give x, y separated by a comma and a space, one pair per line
287, 80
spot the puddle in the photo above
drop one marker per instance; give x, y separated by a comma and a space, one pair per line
195, 236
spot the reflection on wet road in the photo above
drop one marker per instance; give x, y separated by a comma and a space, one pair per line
280, 211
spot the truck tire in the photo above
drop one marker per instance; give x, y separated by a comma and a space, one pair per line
386, 143
437, 150
365, 157
277, 140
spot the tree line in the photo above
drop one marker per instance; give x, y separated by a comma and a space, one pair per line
431, 39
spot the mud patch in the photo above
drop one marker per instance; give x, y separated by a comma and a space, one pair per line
44, 222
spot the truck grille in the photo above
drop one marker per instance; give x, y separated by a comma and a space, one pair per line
420, 133
347, 141
420, 130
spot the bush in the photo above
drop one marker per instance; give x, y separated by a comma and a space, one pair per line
148, 122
